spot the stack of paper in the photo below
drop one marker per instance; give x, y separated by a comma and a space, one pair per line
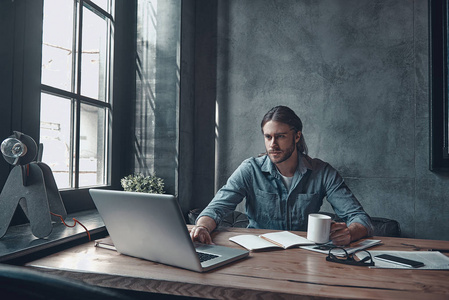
352, 248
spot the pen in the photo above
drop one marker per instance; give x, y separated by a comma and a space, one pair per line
324, 247
440, 250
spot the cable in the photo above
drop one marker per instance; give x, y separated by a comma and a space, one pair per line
74, 224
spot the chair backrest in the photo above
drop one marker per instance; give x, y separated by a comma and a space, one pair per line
233, 219
386, 227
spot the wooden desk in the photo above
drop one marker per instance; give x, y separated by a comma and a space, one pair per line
293, 273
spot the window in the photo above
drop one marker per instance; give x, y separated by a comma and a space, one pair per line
75, 112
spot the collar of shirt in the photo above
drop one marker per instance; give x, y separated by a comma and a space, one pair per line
303, 165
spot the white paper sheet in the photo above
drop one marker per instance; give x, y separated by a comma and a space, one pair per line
433, 260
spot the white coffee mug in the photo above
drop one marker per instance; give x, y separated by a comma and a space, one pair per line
319, 228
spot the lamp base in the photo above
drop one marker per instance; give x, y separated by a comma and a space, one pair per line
34, 188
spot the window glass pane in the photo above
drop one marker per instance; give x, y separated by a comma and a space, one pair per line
55, 130
93, 140
57, 44
94, 56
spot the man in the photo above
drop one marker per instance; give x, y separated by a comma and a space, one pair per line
284, 186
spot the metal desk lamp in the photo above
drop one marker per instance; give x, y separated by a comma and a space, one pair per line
30, 184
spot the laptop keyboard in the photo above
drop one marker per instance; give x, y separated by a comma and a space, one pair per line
205, 256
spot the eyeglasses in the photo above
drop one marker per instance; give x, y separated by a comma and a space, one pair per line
348, 259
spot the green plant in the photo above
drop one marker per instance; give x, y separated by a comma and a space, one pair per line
143, 184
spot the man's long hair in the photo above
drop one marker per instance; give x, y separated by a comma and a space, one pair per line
284, 114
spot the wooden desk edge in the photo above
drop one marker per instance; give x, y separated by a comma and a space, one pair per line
240, 291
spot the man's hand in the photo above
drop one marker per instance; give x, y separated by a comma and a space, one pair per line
201, 231
342, 235
200, 234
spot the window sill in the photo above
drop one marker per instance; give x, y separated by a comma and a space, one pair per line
19, 243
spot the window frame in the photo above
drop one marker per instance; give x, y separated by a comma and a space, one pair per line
439, 98
77, 98
21, 80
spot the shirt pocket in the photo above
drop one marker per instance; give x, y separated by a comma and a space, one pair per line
265, 211
302, 206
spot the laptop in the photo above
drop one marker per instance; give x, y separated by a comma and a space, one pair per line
152, 227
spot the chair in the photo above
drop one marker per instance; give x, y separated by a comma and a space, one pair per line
233, 219
386, 227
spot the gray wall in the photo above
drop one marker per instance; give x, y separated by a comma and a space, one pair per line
156, 134
356, 72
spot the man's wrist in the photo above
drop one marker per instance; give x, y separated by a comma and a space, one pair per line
203, 226
357, 231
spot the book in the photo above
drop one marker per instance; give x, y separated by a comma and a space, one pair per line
351, 248
281, 239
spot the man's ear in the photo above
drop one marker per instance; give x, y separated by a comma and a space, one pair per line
298, 136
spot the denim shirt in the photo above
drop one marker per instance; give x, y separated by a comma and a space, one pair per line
269, 205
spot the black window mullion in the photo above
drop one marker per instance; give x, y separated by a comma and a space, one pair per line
97, 10
75, 63
74, 44
58, 92
72, 143
78, 94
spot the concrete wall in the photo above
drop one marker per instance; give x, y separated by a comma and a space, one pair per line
356, 73
156, 120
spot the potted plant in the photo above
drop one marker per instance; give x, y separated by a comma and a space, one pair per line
143, 184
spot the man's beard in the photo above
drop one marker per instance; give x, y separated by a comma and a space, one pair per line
283, 156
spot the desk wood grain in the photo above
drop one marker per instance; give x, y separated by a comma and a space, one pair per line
284, 274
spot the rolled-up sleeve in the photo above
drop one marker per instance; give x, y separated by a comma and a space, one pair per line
230, 195
343, 201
